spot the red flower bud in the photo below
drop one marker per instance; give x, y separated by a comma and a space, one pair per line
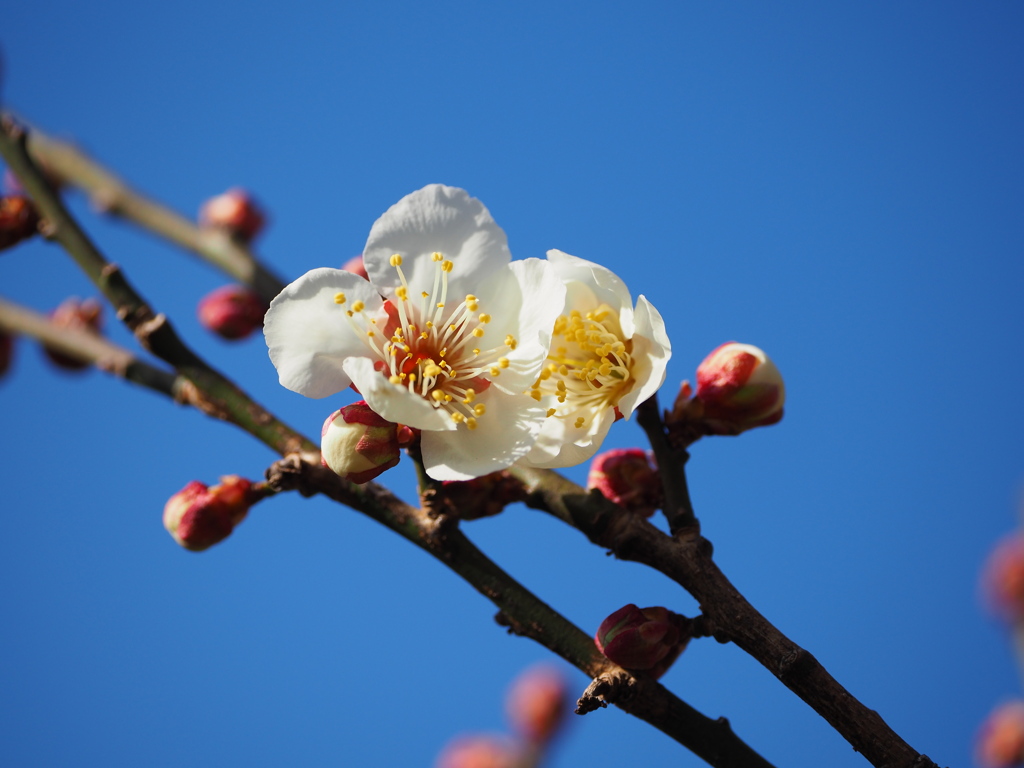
358, 444
483, 496
198, 516
232, 312
536, 704
1000, 742
1003, 579
628, 477
641, 639
740, 388
6, 351
18, 220
75, 315
356, 267
235, 212
479, 751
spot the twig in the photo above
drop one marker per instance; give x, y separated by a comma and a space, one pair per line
92, 349
216, 395
687, 560
112, 195
525, 614
672, 467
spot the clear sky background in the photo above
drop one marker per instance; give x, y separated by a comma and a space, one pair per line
839, 183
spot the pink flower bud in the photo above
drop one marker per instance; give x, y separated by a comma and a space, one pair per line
356, 267
479, 751
6, 351
1003, 579
79, 316
643, 638
1000, 742
628, 477
358, 444
536, 704
482, 496
232, 312
740, 388
18, 220
235, 212
198, 516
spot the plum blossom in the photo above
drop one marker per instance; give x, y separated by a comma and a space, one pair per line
605, 359
446, 336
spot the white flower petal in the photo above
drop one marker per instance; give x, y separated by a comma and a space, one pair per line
651, 352
560, 444
606, 286
523, 302
438, 219
503, 435
394, 402
308, 334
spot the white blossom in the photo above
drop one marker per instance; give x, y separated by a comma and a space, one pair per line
445, 337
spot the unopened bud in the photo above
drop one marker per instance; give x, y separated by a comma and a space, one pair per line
356, 267
358, 444
232, 311
1003, 579
1000, 742
76, 315
644, 639
628, 477
18, 220
198, 516
479, 751
483, 496
740, 388
6, 351
234, 212
536, 704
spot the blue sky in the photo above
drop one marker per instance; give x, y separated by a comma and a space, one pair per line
841, 184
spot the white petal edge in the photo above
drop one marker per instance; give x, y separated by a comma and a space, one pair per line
393, 401
557, 445
503, 435
651, 353
434, 219
308, 335
607, 287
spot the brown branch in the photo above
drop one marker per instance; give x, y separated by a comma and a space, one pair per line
687, 559
527, 615
215, 394
113, 196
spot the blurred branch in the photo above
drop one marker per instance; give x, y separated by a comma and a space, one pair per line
112, 195
687, 560
525, 614
92, 349
221, 397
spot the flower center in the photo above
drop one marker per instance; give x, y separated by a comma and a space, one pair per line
589, 366
432, 346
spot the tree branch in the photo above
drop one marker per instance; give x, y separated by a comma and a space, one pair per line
112, 195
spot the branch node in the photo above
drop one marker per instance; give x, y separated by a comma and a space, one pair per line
607, 688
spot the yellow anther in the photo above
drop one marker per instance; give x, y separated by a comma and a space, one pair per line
476, 350
412, 378
395, 379
561, 398
535, 394
470, 395
358, 306
471, 423
458, 418
447, 266
447, 398
440, 305
441, 353
563, 370
349, 312
495, 371
424, 335
396, 260
485, 318
545, 375
479, 409
437, 395
478, 332
551, 411
424, 294
579, 422
510, 341
402, 293
561, 386
432, 370
503, 362
339, 298
371, 334
437, 256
